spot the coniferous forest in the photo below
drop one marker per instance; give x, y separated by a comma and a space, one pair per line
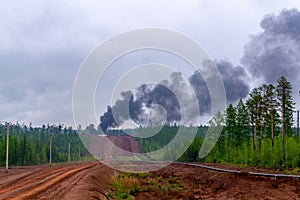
257, 131
31, 146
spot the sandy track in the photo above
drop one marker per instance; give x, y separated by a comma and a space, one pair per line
57, 182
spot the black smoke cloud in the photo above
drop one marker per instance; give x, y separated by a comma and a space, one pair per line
144, 98
107, 120
116, 115
275, 51
163, 96
235, 82
270, 54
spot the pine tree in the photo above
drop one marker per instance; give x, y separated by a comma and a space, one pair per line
284, 95
217, 123
242, 123
272, 116
253, 105
262, 112
230, 122
24, 151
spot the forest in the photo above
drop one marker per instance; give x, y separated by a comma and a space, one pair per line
259, 131
31, 146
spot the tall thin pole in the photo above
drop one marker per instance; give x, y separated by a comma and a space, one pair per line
298, 126
69, 150
50, 156
7, 147
298, 134
79, 154
94, 155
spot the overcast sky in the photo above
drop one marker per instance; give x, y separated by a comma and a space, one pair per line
43, 43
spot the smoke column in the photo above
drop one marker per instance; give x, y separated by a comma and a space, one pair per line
275, 51
235, 82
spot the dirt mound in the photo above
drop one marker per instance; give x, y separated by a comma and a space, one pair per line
199, 183
125, 142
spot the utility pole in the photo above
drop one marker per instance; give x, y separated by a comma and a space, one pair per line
298, 134
7, 146
69, 151
50, 155
79, 154
298, 125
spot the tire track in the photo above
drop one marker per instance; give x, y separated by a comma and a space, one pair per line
20, 182
87, 184
34, 185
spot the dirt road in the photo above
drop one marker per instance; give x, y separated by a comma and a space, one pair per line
76, 181
93, 181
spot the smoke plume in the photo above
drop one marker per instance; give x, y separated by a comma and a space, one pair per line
269, 55
275, 51
146, 97
235, 83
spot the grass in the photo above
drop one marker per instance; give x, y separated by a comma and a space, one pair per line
128, 185
124, 186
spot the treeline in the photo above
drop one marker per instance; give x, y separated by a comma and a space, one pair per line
258, 131
164, 136
30, 145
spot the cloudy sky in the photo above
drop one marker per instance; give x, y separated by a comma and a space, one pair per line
43, 43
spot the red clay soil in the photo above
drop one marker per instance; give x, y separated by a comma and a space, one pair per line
199, 183
92, 181
126, 142
76, 181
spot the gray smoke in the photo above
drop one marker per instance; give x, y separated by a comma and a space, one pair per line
235, 82
269, 55
162, 100
275, 51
